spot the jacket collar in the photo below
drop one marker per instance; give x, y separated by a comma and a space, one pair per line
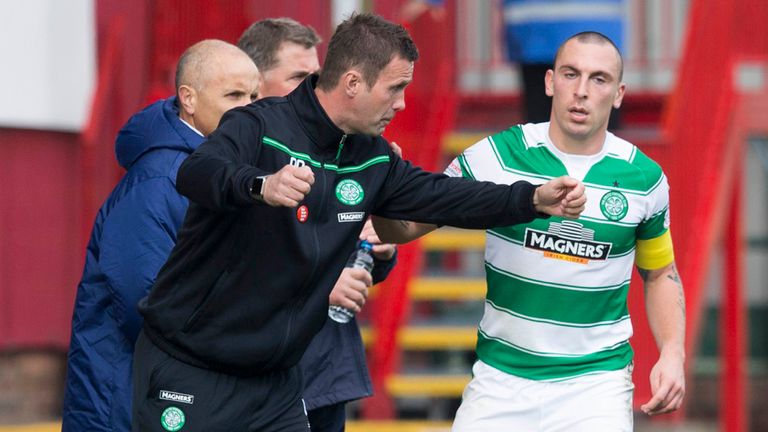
314, 120
156, 127
192, 137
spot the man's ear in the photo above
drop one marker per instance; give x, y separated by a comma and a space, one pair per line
187, 97
549, 83
352, 81
619, 95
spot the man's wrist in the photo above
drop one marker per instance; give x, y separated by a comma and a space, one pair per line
536, 202
676, 352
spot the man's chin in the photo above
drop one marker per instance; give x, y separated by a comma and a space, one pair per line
579, 131
377, 131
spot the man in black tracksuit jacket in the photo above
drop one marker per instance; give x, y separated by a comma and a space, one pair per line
246, 287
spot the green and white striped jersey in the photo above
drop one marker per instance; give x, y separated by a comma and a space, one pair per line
556, 306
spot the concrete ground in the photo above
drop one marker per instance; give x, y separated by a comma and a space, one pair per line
645, 425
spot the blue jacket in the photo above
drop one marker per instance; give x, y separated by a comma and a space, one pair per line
536, 28
134, 232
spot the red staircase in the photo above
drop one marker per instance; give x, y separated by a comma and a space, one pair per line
708, 120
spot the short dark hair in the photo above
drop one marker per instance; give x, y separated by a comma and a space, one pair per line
263, 39
596, 38
366, 41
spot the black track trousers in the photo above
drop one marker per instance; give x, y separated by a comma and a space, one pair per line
176, 396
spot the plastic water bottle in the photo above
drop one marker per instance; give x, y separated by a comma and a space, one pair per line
363, 260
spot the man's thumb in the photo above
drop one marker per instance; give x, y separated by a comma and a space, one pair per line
569, 182
305, 173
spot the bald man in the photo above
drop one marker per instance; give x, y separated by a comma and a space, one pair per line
136, 228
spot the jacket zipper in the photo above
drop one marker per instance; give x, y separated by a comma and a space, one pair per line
341, 146
284, 343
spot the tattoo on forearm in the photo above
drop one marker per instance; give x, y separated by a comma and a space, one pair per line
674, 276
681, 300
405, 224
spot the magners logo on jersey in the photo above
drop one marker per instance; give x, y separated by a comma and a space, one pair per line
568, 241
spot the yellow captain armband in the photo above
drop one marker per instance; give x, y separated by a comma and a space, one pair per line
655, 253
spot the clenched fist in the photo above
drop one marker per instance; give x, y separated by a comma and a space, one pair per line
562, 196
288, 187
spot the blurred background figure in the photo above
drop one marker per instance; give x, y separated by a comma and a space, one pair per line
285, 52
412, 9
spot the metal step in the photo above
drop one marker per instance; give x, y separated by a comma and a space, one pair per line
427, 385
456, 142
397, 426
428, 288
447, 288
430, 338
454, 239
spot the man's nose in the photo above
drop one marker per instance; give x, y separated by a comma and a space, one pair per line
581, 88
399, 104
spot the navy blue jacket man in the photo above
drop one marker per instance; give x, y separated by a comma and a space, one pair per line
134, 232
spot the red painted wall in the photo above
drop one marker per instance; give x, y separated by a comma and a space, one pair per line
42, 212
39, 234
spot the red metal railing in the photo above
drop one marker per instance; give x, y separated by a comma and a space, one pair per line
708, 121
431, 105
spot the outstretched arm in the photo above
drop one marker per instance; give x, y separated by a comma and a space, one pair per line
562, 196
665, 307
399, 231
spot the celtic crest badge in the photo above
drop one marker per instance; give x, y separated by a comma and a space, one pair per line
172, 419
349, 192
614, 205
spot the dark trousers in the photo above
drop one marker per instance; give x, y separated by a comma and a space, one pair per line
170, 395
329, 418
